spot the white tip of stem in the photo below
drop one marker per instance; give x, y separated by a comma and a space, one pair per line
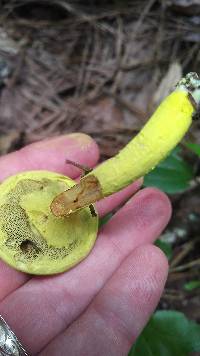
191, 84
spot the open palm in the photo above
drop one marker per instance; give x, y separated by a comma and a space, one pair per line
100, 306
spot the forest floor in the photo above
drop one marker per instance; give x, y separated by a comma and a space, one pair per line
101, 67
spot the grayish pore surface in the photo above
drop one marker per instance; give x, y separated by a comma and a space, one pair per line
191, 84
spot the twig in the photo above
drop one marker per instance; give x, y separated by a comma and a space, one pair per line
85, 169
188, 265
173, 294
85, 17
186, 248
126, 104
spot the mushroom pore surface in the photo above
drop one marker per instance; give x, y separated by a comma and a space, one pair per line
32, 239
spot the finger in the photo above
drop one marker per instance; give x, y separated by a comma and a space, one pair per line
63, 297
50, 155
120, 311
140, 220
110, 203
10, 279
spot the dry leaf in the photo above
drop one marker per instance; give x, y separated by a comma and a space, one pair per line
188, 7
8, 141
167, 84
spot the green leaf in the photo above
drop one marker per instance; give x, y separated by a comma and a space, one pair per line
194, 147
172, 175
165, 247
168, 333
192, 285
105, 219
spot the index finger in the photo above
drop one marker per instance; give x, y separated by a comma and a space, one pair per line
51, 154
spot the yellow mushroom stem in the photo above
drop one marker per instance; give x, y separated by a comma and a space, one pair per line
163, 131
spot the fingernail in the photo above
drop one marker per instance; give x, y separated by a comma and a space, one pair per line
82, 139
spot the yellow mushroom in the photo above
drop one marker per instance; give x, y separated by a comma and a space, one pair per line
41, 231
158, 137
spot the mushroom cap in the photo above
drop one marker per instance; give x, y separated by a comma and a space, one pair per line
32, 239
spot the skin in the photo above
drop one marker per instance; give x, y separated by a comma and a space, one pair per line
101, 305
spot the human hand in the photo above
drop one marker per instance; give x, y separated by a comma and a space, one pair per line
100, 306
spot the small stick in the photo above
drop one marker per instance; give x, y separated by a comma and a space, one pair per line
186, 248
85, 169
188, 265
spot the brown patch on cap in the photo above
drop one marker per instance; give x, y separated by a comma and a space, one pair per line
88, 191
